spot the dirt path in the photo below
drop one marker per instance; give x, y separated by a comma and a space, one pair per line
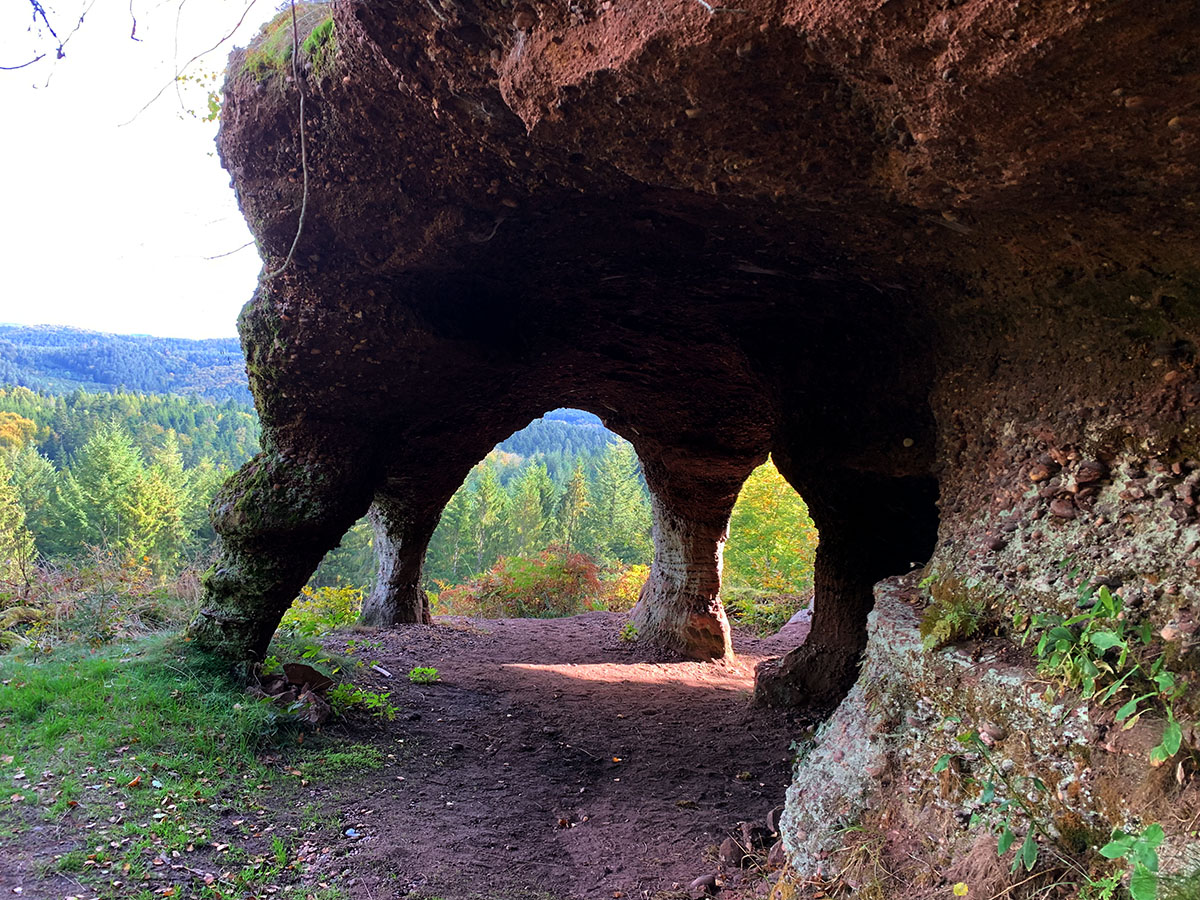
555, 761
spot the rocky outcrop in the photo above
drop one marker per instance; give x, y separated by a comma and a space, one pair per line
937, 257
935, 753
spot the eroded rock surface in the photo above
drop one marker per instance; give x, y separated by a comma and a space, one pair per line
911, 249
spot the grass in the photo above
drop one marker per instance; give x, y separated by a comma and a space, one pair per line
143, 746
344, 760
761, 611
270, 53
132, 707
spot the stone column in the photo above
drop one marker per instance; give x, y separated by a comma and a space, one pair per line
400, 544
277, 517
870, 526
691, 497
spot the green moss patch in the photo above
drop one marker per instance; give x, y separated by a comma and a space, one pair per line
270, 54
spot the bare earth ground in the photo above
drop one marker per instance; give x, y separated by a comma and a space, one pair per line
552, 761
555, 760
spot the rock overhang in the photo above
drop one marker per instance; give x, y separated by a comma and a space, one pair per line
836, 231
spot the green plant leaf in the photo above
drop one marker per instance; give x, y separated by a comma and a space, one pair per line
1105, 640
1117, 847
1128, 709
942, 763
1006, 841
1114, 688
1152, 836
1029, 851
1165, 681
1172, 738
1143, 884
1089, 686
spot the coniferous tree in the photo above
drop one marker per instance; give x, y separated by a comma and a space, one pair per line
619, 517
488, 511
572, 510
16, 542
532, 498
169, 489
445, 560
35, 481
107, 500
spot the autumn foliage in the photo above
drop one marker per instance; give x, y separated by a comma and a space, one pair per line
769, 556
554, 582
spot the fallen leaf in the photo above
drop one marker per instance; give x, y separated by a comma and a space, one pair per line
136, 781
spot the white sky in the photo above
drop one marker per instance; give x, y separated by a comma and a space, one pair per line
105, 226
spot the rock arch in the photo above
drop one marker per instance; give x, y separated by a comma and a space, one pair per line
870, 244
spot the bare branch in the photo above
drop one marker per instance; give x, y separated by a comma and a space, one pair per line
185, 66
60, 50
230, 252
22, 65
39, 11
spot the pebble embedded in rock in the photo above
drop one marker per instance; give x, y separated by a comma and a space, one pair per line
1090, 471
995, 543
991, 733
1063, 508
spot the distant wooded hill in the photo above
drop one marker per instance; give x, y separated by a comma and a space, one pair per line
98, 377
59, 359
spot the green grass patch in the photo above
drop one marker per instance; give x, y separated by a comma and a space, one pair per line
146, 744
761, 611
270, 54
130, 708
344, 761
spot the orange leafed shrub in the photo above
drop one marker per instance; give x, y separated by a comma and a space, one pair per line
555, 582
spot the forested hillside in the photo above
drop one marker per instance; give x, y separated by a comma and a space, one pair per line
59, 359
225, 434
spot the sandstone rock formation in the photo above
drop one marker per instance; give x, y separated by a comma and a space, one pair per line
912, 249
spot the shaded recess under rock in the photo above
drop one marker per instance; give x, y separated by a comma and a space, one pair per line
939, 258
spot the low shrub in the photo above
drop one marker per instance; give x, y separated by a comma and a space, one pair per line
554, 583
97, 602
321, 610
956, 612
762, 611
